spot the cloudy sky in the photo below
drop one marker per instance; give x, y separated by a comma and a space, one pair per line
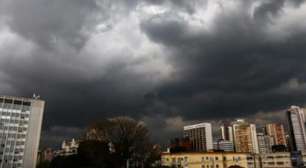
165, 62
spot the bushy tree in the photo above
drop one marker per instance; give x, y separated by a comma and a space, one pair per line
113, 143
128, 140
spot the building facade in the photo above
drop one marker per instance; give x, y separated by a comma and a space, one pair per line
277, 131
224, 145
276, 160
227, 132
20, 128
296, 124
210, 160
68, 148
200, 136
265, 143
245, 137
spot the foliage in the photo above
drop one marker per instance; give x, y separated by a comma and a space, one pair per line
113, 143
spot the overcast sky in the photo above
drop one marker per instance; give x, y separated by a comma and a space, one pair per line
165, 62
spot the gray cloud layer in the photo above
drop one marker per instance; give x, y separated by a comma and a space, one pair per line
171, 61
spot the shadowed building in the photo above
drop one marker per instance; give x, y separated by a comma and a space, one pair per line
20, 127
296, 123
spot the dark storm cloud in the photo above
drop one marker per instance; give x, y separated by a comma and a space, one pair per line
168, 63
233, 70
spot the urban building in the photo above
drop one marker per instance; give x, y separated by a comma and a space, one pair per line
265, 143
296, 123
180, 145
227, 132
68, 148
224, 145
276, 160
210, 160
245, 137
20, 128
200, 136
276, 131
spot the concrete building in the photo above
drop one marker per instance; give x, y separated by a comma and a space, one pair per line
20, 128
227, 132
224, 145
68, 148
296, 123
276, 131
276, 160
210, 160
245, 137
200, 136
265, 143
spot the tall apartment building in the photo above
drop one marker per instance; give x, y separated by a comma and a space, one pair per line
245, 137
276, 131
20, 127
265, 143
200, 136
227, 132
296, 123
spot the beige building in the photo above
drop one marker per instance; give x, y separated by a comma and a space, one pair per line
210, 160
276, 160
245, 137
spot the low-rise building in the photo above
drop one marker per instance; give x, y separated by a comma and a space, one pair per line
68, 148
210, 160
276, 160
224, 145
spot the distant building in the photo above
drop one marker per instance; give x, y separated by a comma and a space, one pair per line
227, 132
245, 137
265, 143
20, 128
68, 148
276, 131
210, 160
200, 136
224, 145
296, 123
276, 160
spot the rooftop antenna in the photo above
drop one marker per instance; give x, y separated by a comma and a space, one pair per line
36, 96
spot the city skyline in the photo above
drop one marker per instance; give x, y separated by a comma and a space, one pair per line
167, 63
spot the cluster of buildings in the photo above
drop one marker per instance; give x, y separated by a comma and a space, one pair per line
242, 144
68, 148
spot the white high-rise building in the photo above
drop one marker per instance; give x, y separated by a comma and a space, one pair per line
296, 123
245, 137
20, 128
200, 136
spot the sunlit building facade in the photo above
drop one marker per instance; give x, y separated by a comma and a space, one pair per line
20, 128
200, 136
276, 131
245, 137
